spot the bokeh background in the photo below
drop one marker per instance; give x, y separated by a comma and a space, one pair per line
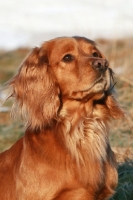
29, 22
25, 24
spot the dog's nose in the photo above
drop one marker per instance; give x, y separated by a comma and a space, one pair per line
100, 64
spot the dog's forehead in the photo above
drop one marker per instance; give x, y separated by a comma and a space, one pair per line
69, 44
64, 45
86, 46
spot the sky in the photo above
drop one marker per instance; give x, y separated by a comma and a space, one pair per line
29, 22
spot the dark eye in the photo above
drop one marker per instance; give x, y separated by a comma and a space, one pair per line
68, 58
95, 54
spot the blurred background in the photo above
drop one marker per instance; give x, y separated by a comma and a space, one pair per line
29, 22
26, 24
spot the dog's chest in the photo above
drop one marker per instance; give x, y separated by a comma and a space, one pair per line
86, 139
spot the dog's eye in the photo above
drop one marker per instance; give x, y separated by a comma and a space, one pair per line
95, 54
68, 58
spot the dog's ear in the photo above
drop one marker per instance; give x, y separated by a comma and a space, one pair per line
35, 90
115, 110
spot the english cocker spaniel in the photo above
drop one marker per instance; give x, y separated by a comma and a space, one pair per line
64, 93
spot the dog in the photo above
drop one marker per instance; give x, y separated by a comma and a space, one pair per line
64, 92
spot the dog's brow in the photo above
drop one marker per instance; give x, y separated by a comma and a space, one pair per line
89, 55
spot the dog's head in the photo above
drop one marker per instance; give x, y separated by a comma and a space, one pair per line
80, 69
63, 68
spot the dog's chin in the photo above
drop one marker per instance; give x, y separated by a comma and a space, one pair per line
98, 90
102, 87
103, 83
99, 87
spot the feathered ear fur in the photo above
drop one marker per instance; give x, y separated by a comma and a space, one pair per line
115, 110
35, 91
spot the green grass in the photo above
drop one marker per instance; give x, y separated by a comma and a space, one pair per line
124, 189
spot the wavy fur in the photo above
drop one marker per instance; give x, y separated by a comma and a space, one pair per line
63, 92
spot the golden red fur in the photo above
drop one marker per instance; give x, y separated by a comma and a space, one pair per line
64, 92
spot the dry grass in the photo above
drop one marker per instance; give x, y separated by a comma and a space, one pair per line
9, 62
119, 53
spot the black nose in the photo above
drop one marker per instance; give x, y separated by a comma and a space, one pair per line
100, 64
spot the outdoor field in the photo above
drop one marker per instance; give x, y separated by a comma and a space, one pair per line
120, 56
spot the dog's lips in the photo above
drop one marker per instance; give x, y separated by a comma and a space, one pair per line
108, 80
100, 86
104, 82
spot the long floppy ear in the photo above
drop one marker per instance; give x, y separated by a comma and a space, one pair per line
35, 91
115, 110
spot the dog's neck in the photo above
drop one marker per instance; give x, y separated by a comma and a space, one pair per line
84, 130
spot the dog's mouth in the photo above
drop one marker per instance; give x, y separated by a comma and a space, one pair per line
102, 86
104, 82
109, 79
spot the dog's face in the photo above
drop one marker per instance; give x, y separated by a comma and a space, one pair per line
80, 69
61, 70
